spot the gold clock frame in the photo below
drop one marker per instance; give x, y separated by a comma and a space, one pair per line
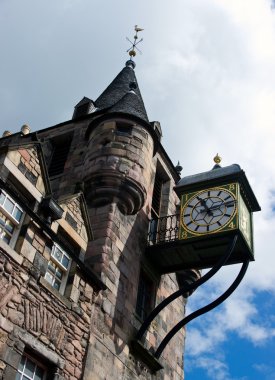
232, 224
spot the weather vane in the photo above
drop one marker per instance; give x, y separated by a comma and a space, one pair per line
132, 50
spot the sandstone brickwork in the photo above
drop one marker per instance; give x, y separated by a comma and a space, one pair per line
32, 315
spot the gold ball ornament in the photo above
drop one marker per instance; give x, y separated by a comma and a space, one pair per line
132, 53
217, 159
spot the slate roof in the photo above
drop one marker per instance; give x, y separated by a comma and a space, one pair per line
218, 176
215, 173
123, 95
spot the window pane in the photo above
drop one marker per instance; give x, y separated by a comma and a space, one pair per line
58, 273
51, 267
49, 277
22, 362
17, 214
56, 284
6, 238
18, 376
39, 374
65, 261
9, 205
57, 254
2, 219
9, 226
29, 368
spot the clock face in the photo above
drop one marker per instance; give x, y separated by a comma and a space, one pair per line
209, 210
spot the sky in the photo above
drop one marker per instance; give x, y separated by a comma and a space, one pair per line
206, 72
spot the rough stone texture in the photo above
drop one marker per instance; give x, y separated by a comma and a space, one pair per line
115, 162
74, 217
27, 306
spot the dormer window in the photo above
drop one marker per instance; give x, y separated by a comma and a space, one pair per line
11, 216
84, 107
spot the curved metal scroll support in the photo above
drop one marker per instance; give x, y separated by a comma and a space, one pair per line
186, 289
203, 310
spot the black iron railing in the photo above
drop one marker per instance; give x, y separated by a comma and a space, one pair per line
163, 230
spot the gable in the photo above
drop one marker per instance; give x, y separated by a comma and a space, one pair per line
75, 219
26, 164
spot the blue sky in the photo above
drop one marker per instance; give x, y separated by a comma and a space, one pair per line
207, 74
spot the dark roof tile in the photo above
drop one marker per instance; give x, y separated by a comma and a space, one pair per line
123, 95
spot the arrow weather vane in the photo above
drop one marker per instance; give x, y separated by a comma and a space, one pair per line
132, 50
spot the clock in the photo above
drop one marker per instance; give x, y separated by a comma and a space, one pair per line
210, 210
216, 207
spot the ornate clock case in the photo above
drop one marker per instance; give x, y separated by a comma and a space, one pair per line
215, 206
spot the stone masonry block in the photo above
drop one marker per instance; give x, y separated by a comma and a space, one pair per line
5, 324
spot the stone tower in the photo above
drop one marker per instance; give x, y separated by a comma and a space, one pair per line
75, 204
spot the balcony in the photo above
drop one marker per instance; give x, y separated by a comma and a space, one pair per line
170, 254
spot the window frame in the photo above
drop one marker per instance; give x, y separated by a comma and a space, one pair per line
61, 147
17, 224
65, 271
36, 362
140, 310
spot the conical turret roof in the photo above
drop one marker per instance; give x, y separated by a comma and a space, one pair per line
123, 95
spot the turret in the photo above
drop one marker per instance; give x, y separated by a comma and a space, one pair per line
121, 142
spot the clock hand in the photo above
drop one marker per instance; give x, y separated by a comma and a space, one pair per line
203, 203
229, 203
206, 208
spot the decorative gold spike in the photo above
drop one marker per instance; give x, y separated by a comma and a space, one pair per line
217, 159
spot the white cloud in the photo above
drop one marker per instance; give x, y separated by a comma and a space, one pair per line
267, 371
215, 369
207, 73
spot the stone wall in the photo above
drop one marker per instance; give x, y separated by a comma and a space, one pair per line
117, 256
33, 316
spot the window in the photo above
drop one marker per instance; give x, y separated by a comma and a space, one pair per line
58, 268
30, 369
156, 200
146, 295
123, 128
11, 215
156, 207
61, 147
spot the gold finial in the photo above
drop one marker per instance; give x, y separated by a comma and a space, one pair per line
132, 51
217, 159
